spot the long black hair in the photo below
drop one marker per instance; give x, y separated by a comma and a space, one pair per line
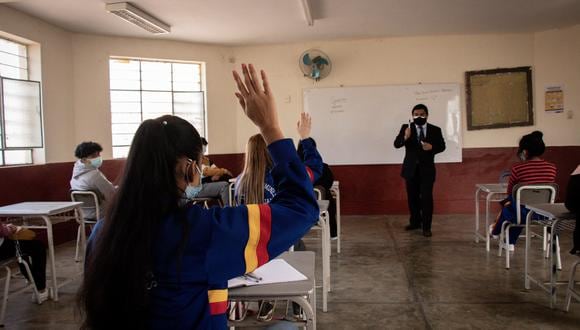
118, 268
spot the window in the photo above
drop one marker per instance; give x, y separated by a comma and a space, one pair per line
20, 107
142, 89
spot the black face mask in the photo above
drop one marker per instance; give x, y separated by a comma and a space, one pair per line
420, 121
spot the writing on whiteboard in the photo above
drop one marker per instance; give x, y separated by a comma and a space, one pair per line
338, 105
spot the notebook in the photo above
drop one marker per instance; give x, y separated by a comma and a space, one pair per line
275, 271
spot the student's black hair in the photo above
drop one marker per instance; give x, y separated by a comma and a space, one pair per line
300, 150
118, 270
420, 106
86, 149
203, 141
533, 143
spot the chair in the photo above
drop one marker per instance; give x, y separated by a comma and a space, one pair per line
206, 201
323, 226
91, 205
335, 190
232, 194
571, 292
525, 194
6, 264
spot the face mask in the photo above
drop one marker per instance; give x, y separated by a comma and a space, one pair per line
419, 120
192, 191
204, 150
522, 156
96, 162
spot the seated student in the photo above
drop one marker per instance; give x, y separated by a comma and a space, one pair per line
573, 204
532, 169
156, 262
86, 176
210, 172
325, 183
29, 248
255, 184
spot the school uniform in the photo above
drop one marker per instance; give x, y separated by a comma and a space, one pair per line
189, 288
312, 163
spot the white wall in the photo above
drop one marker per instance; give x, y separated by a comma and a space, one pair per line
76, 86
554, 56
53, 57
91, 78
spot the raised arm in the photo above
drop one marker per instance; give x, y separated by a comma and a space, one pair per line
402, 137
312, 159
245, 237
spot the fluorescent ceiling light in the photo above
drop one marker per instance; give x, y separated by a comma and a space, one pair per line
307, 14
136, 16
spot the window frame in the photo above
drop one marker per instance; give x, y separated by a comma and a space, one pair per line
172, 91
3, 146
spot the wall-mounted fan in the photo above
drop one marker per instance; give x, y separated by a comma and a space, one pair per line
315, 64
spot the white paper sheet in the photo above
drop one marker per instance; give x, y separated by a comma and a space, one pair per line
275, 271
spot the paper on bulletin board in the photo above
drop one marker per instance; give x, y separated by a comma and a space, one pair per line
554, 99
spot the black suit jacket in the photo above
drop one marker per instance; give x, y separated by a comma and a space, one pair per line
415, 156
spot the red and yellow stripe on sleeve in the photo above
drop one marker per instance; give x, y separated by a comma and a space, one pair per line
310, 174
259, 227
218, 301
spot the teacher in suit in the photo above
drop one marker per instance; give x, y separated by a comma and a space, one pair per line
422, 141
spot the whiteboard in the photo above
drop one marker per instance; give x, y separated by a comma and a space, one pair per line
358, 125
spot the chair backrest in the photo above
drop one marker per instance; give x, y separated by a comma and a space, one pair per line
90, 201
536, 193
318, 194
232, 194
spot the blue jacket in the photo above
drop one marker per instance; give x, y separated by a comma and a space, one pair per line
312, 162
224, 243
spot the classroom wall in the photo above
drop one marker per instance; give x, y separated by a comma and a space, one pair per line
554, 56
50, 62
91, 76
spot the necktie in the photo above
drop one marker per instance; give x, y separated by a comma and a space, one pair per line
421, 134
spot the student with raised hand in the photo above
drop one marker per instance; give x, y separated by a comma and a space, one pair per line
532, 169
158, 263
87, 176
254, 185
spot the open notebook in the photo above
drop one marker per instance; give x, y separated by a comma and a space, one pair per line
275, 271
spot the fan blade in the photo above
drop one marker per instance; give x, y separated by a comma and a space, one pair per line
315, 73
306, 59
319, 60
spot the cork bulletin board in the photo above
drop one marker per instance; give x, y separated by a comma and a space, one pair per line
499, 98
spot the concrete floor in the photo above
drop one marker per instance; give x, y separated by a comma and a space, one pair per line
386, 278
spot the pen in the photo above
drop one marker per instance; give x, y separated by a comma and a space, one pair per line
253, 277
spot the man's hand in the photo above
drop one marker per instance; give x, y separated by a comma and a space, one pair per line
427, 146
407, 132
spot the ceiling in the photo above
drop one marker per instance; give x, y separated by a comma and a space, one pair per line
250, 22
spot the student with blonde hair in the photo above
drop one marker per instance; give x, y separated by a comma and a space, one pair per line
255, 184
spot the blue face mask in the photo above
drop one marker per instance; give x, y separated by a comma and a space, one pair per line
96, 162
191, 192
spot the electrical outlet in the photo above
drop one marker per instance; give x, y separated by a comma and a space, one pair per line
288, 99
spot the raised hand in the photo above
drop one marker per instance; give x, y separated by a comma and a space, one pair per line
304, 125
258, 103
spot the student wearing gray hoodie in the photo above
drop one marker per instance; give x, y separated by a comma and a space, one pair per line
86, 176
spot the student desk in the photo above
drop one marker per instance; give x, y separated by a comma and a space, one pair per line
51, 213
494, 192
557, 218
301, 292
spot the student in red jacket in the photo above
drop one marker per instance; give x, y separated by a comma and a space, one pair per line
157, 262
